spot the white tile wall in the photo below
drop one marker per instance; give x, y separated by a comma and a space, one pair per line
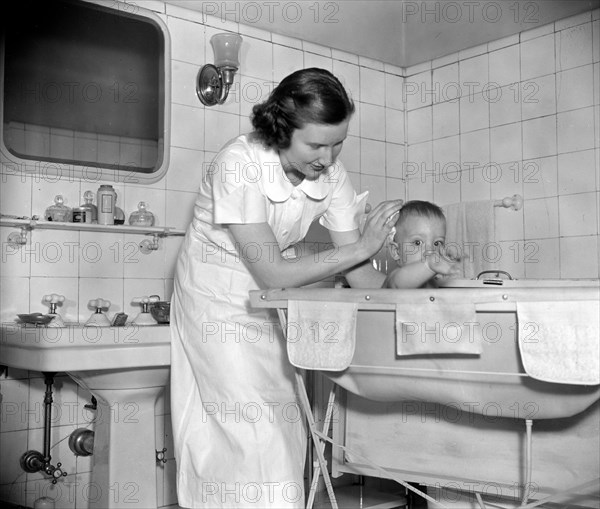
537, 57
529, 126
504, 65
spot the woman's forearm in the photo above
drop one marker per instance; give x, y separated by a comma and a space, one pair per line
309, 267
351, 248
262, 256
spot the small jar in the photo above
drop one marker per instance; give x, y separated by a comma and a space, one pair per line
58, 211
81, 215
142, 216
107, 199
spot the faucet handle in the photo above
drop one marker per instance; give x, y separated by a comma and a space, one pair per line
99, 304
53, 298
146, 300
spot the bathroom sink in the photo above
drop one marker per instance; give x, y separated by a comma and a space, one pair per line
126, 369
79, 348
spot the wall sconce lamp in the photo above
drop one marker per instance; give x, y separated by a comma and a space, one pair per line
214, 81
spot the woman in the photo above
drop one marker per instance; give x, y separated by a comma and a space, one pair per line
239, 436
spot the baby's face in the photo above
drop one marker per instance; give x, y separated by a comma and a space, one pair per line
416, 235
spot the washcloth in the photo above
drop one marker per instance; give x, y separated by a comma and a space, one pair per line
470, 234
437, 328
321, 335
559, 341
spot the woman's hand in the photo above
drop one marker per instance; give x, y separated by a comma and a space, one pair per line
380, 221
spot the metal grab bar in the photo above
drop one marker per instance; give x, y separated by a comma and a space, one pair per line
497, 272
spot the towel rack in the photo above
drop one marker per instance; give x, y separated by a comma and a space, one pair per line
514, 202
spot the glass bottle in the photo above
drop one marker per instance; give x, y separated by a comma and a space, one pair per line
88, 204
142, 216
58, 211
119, 216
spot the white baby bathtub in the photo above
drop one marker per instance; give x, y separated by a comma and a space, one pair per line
456, 422
494, 381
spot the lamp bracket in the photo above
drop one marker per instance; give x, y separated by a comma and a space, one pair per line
209, 85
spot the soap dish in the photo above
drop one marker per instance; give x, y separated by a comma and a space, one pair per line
35, 318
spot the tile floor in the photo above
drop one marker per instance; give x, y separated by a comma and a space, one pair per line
373, 494
353, 497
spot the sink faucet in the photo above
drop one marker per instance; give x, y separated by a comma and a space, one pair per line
144, 317
52, 301
98, 319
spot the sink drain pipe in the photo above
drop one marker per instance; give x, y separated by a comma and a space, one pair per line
81, 442
34, 461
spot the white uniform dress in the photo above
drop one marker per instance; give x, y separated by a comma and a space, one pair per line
238, 430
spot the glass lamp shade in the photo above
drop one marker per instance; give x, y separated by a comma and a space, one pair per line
226, 48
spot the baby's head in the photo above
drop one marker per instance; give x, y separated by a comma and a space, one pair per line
420, 228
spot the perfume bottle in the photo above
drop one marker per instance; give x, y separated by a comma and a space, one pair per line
58, 211
88, 204
142, 216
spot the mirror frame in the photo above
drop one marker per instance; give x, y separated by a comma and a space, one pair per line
12, 164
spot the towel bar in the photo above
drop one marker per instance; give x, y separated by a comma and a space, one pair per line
514, 202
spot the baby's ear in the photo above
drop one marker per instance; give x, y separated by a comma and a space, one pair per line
392, 248
390, 237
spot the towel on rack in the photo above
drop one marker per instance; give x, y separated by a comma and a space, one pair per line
559, 341
469, 233
321, 335
437, 328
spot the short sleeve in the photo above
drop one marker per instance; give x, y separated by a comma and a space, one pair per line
237, 198
346, 208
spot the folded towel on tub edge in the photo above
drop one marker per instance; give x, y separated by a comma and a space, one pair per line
321, 335
435, 327
559, 341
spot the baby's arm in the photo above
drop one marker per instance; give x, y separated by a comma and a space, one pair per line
416, 274
411, 275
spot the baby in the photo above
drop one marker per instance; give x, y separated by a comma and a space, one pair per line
418, 247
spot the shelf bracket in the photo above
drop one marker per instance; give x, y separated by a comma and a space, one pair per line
17, 239
147, 245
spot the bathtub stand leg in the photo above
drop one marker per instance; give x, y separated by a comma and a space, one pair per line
528, 462
321, 445
318, 444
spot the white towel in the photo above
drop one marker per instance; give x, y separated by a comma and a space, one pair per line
321, 335
559, 341
437, 328
469, 234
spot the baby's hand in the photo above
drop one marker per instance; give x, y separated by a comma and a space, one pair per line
440, 264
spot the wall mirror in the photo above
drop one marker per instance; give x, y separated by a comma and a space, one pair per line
85, 91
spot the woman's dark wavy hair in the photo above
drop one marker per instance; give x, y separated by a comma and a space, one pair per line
307, 96
420, 208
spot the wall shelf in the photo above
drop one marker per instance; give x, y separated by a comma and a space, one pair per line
27, 225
